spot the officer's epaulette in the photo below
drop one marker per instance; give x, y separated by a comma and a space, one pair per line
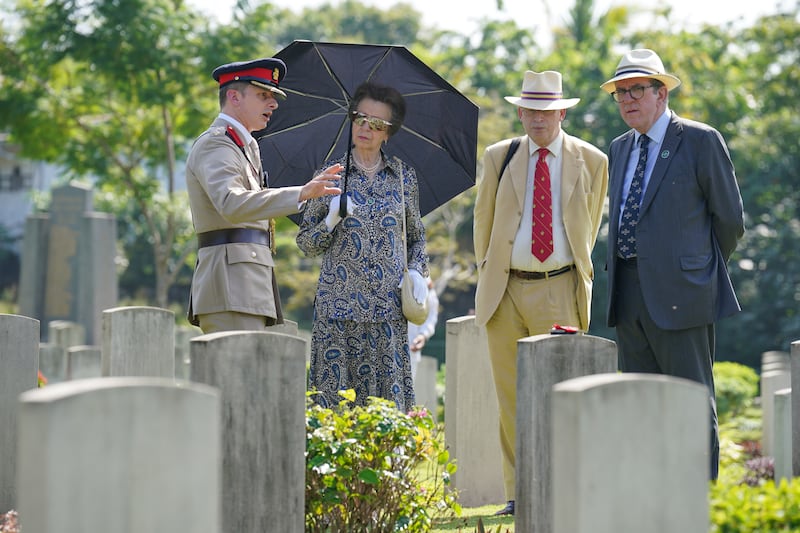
232, 135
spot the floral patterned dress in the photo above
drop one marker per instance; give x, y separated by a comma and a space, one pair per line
360, 336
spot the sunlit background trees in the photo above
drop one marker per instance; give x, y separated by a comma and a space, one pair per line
114, 92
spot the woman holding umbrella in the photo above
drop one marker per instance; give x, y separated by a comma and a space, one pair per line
360, 336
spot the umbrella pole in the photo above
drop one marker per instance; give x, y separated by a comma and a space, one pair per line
343, 199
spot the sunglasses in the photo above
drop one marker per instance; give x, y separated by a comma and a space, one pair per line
375, 123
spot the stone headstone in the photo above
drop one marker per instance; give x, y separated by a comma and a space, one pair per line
120, 455
795, 378
84, 362
68, 269
775, 375
782, 435
629, 454
66, 333
472, 431
52, 362
19, 362
183, 360
543, 361
425, 384
262, 379
138, 341
53, 355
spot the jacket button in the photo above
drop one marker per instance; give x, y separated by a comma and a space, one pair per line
252, 254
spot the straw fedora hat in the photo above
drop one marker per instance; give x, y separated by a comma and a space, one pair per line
542, 91
641, 63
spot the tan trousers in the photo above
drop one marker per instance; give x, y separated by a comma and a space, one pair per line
231, 321
527, 308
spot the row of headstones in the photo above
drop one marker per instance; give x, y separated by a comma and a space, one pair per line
136, 342
780, 437
132, 452
564, 445
125, 454
66, 356
590, 454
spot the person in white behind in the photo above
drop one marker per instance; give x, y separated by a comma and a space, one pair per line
418, 336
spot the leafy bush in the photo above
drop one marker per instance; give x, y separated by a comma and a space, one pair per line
765, 508
736, 387
375, 469
759, 470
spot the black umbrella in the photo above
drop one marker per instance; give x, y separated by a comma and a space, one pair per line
438, 138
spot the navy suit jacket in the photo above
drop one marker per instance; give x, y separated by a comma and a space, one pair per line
690, 221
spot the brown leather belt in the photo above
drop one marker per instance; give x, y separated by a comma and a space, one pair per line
522, 274
227, 236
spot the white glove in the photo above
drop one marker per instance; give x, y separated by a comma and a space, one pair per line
420, 288
333, 217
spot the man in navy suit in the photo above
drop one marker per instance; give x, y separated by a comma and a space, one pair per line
675, 217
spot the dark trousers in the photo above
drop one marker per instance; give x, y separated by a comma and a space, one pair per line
642, 346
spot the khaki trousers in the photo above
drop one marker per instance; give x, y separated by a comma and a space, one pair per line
528, 307
231, 321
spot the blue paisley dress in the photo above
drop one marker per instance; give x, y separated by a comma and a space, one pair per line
360, 337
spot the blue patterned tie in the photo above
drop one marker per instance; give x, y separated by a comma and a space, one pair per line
626, 236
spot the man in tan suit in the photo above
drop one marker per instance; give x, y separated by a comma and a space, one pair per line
536, 222
233, 287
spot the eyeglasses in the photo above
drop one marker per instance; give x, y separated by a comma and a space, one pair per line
375, 123
636, 92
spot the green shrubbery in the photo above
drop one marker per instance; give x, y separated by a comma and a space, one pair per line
765, 508
375, 469
736, 388
746, 498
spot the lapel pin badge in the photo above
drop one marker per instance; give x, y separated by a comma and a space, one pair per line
665, 154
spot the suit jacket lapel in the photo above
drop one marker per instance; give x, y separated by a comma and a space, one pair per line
518, 171
668, 149
617, 179
571, 167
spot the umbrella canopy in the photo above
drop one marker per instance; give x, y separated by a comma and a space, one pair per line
438, 138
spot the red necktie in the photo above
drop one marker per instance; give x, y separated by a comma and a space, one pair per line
542, 232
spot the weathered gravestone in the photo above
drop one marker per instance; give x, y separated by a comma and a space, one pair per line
66, 333
84, 362
543, 361
782, 435
425, 384
53, 355
68, 269
262, 379
19, 362
52, 362
795, 380
472, 431
775, 375
629, 454
183, 360
121, 455
138, 341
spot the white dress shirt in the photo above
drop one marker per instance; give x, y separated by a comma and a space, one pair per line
521, 256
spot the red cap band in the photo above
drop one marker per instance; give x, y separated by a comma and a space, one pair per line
260, 73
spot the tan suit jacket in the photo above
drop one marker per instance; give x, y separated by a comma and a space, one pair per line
225, 192
498, 212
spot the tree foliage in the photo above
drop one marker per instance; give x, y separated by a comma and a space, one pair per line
107, 89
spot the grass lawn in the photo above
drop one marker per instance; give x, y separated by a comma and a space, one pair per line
468, 521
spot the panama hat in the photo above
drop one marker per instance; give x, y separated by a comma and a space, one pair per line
641, 63
542, 91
